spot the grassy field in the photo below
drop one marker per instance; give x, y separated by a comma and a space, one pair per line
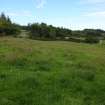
51, 73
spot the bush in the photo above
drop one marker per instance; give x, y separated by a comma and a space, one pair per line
91, 39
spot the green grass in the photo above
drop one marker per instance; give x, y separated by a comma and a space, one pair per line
51, 73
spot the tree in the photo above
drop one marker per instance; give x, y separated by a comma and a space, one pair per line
7, 27
52, 32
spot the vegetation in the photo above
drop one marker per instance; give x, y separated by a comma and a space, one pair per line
93, 36
36, 72
51, 73
48, 32
44, 31
7, 27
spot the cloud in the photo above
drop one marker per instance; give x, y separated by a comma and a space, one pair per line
96, 14
40, 3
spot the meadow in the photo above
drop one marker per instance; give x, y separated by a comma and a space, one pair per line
51, 72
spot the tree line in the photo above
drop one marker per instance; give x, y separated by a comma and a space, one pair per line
43, 31
48, 32
7, 27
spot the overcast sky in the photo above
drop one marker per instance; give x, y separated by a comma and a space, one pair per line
73, 14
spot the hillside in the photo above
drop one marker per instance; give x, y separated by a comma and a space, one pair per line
51, 72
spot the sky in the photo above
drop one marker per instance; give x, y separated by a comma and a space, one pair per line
72, 14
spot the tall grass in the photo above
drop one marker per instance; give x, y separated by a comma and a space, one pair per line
51, 73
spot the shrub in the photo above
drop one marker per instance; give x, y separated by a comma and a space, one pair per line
91, 39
